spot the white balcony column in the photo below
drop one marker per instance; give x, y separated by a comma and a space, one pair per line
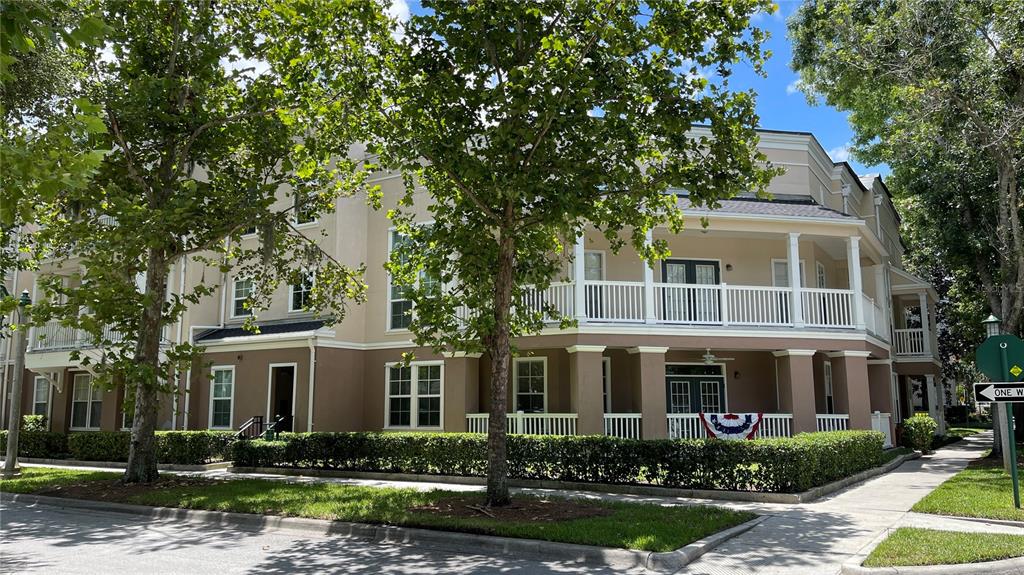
579, 287
793, 262
853, 263
649, 314
926, 324
881, 297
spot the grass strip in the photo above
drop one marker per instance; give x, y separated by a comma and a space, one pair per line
982, 490
908, 546
624, 525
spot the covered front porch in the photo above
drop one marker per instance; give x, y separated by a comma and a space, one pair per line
658, 392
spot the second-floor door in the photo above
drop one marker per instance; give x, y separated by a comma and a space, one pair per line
692, 304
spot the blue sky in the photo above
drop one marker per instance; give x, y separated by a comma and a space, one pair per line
779, 104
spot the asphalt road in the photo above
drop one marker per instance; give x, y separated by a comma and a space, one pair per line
42, 539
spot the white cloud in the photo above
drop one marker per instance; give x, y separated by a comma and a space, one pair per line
399, 10
793, 87
840, 153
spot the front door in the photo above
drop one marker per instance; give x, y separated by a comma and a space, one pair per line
695, 388
283, 386
694, 305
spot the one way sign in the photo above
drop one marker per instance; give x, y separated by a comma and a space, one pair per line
999, 392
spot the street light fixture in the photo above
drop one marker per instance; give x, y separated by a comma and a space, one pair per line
11, 468
991, 324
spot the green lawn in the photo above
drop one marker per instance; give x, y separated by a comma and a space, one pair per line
625, 525
982, 490
911, 546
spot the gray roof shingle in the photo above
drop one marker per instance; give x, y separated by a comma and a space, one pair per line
784, 205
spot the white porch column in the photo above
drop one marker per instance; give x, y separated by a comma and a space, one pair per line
853, 263
649, 316
793, 261
936, 401
579, 287
881, 298
926, 324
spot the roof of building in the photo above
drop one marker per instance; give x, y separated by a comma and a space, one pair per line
268, 328
785, 205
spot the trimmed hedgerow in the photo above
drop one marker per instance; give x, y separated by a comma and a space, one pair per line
42, 444
174, 447
782, 465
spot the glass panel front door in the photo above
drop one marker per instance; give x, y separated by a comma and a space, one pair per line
695, 388
692, 305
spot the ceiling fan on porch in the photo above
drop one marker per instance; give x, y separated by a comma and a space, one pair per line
710, 358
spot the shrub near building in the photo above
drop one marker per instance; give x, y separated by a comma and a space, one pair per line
782, 465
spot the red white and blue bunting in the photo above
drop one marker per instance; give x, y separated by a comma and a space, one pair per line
731, 425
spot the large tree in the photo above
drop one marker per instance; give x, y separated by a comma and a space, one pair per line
213, 112
527, 123
932, 84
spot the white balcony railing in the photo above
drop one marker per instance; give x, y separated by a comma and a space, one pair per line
615, 301
827, 307
686, 303
758, 305
624, 425
53, 336
909, 341
558, 296
881, 422
833, 422
689, 426
527, 423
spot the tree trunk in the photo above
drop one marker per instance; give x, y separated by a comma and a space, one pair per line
142, 456
499, 347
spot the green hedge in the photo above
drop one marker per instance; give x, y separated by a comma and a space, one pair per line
783, 465
42, 444
175, 447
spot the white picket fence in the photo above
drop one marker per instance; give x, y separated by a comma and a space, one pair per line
833, 422
624, 425
882, 422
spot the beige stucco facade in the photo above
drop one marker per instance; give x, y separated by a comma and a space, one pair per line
843, 231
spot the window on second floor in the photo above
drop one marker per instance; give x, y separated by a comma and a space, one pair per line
299, 295
399, 302
240, 293
304, 212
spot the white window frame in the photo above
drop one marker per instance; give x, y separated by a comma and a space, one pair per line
292, 290
387, 319
213, 378
826, 369
606, 373
296, 195
515, 379
803, 271
49, 397
820, 276
414, 412
89, 403
604, 264
235, 299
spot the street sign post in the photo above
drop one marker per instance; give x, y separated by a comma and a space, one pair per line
1001, 358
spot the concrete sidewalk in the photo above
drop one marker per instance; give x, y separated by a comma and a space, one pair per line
817, 538
810, 538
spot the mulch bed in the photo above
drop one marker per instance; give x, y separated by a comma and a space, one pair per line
522, 508
114, 490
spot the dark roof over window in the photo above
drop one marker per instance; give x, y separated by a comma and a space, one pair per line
269, 328
784, 205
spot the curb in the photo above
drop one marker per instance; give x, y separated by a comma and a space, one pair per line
1013, 566
220, 465
457, 542
621, 489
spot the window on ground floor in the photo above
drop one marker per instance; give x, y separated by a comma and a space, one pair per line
415, 395
41, 397
222, 397
86, 403
531, 379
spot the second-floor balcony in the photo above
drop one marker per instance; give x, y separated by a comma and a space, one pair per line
53, 336
625, 302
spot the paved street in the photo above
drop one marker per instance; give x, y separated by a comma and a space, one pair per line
40, 539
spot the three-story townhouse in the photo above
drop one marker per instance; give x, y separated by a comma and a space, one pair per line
795, 306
